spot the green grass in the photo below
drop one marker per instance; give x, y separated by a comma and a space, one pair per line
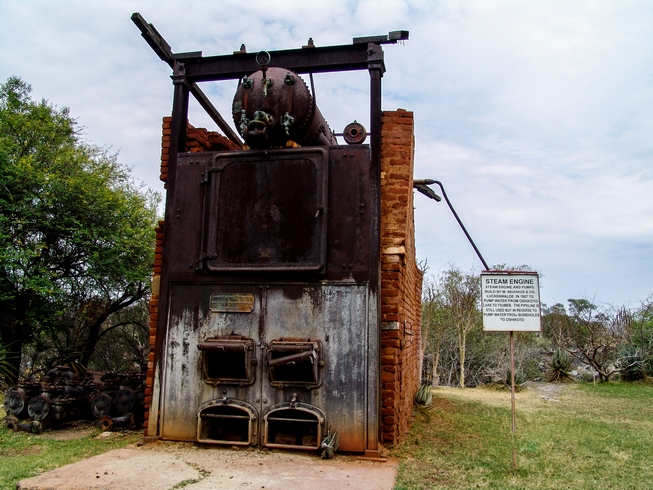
23, 455
593, 437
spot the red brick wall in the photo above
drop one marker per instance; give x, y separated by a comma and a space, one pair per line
154, 317
197, 139
401, 280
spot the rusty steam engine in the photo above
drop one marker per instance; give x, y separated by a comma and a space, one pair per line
268, 301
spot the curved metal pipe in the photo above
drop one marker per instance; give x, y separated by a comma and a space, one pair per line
422, 186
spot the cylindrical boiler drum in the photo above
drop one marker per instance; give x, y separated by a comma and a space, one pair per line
274, 106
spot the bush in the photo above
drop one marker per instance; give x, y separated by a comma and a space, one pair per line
632, 364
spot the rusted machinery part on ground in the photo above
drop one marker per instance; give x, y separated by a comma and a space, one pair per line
125, 400
12, 423
15, 403
39, 407
102, 405
61, 398
125, 421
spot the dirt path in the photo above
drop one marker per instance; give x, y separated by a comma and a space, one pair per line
530, 397
164, 466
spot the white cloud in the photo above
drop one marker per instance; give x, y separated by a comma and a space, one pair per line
536, 116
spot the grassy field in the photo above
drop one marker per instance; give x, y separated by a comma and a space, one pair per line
568, 437
23, 455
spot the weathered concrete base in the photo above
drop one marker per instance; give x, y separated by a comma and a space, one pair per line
164, 465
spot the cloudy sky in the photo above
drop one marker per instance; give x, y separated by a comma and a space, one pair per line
537, 116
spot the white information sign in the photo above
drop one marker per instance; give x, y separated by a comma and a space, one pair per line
511, 301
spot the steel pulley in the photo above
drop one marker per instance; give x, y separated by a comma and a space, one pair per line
354, 133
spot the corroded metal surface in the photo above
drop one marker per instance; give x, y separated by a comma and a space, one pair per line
304, 343
335, 315
266, 210
298, 232
274, 106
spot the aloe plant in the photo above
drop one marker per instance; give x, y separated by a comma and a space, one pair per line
560, 366
329, 444
632, 364
424, 396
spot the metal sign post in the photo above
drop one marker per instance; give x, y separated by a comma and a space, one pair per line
512, 398
511, 302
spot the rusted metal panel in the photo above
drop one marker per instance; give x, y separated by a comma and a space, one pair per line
320, 298
190, 323
350, 208
336, 315
330, 319
342, 202
185, 219
373, 374
267, 211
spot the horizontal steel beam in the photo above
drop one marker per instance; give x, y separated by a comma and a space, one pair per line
303, 60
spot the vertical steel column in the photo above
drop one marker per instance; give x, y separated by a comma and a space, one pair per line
178, 129
179, 112
375, 67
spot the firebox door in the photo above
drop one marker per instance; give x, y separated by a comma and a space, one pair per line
295, 363
266, 210
228, 360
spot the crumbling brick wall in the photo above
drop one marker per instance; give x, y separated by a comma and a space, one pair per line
154, 317
401, 279
197, 139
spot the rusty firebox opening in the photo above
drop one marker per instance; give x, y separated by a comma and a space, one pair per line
227, 360
225, 425
292, 428
294, 364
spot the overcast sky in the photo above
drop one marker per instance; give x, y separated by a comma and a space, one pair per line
537, 116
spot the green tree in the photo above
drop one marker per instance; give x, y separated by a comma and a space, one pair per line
434, 325
76, 232
591, 334
124, 340
636, 353
453, 306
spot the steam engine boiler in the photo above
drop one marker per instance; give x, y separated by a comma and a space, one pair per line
268, 311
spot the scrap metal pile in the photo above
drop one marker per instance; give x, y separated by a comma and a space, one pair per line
112, 400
